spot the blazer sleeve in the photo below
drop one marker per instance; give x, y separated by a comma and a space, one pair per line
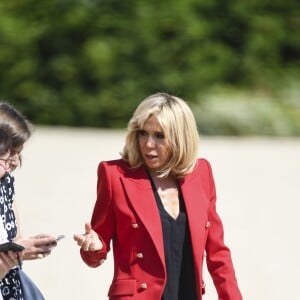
218, 257
102, 218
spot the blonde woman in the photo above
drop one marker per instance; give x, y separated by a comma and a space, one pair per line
157, 206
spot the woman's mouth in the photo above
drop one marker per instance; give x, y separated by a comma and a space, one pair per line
150, 157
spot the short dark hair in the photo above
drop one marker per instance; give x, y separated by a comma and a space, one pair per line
21, 127
5, 138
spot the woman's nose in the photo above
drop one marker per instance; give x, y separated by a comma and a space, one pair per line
150, 141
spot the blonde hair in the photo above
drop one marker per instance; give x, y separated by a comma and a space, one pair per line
180, 130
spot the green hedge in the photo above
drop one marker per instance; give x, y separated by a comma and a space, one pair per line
90, 62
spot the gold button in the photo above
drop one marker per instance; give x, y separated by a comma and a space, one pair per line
135, 225
144, 285
140, 255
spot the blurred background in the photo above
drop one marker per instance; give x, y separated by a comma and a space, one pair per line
78, 68
90, 62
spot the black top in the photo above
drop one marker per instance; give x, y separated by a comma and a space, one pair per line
180, 283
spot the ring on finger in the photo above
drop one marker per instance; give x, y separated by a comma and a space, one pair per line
39, 256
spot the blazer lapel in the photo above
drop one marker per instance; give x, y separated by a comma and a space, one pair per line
141, 196
196, 210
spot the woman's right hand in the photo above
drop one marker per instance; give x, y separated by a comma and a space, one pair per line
37, 246
88, 241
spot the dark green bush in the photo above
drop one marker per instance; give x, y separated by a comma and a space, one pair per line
90, 62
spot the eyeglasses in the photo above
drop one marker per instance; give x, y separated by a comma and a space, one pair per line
6, 161
11, 158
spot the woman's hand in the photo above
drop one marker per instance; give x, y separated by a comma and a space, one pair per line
88, 241
38, 246
7, 261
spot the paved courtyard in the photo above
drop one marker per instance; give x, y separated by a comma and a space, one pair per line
258, 187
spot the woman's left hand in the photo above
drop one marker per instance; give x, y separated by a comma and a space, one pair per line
8, 260
37, 247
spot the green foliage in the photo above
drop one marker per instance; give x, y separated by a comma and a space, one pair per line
90, 62
229, 112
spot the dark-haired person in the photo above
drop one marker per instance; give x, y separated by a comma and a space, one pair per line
36, 246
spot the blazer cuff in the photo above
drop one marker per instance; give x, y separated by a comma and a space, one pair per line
93, 258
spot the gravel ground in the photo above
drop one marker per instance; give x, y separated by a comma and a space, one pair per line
258, 187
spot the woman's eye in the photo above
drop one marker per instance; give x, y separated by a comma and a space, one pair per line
159, 135
142, 132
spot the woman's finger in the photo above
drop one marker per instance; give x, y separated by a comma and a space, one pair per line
88, 227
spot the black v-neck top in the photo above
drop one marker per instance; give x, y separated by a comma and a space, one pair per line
180, 283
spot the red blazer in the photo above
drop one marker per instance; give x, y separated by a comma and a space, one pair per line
126, 213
